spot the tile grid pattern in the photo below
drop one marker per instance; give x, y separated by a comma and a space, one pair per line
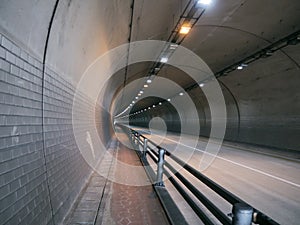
24, 194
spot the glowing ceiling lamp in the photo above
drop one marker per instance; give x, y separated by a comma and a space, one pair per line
185, 29
204, 2
164, 60
242, 66
173, 46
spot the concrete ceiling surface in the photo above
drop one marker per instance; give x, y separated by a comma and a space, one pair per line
26, 22
228, 31
48, 46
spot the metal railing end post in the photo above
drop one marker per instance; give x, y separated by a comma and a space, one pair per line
160, 168
145, 148
242, 214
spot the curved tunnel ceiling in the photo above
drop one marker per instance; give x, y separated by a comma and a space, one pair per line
50, 123
227, 32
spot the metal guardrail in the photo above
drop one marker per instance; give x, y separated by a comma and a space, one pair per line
242, 213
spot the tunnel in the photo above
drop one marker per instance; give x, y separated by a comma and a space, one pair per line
149, 112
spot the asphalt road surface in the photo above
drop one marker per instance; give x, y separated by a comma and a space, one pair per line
268, 182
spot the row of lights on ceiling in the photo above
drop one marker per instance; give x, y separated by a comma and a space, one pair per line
153, 106
292, 39
184, 30
149, 81
144, 110
264, 53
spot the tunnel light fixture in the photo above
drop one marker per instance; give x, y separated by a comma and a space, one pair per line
204, 2
133, 102
136, 97
169, 99
181, 94
153, 106
164, 60
267, 54
160, 103
149, 81
201, 85
146, 85
185, 29
173, 46
149, 107
187, 20
242, 66
141, 92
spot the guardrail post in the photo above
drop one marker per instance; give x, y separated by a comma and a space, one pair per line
145, 147
137, 139
134, 138
160, 168
242, 214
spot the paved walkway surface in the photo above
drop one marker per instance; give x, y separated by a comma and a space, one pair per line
112, 202
135, 205
86, 210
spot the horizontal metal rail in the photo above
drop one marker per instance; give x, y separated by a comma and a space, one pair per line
239, 206
222, 217
203, 217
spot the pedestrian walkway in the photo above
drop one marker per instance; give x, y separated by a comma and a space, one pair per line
105, 202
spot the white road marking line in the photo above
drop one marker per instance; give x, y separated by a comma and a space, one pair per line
238, 164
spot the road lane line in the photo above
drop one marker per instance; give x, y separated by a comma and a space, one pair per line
238, 164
